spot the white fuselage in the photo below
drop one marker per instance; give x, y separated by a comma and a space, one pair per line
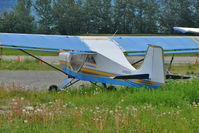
109, 57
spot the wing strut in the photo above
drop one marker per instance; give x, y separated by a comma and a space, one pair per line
138, 62
69, 82
1, 54
69, 76
168, 70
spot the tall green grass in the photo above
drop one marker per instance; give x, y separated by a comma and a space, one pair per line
92, 109
27, 64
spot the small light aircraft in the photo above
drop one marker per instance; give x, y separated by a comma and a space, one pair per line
103, 60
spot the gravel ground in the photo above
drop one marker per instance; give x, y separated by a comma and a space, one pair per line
32, 79
54, 59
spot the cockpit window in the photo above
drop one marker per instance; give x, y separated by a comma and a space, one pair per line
90, 59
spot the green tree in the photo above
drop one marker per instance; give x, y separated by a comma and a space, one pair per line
45, 14
195, 10
68, 16
151, 16
176, 13
92, 15
120, 16
105, 15
24, 19
146, 19
186, 13
8, 22
131, 17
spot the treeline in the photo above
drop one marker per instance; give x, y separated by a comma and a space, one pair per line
73, 17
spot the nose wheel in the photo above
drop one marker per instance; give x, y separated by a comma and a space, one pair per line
53, 88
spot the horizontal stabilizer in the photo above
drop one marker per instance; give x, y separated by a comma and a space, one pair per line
136, 76
172, 76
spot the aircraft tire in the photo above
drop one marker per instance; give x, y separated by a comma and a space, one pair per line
53, 88
111, 88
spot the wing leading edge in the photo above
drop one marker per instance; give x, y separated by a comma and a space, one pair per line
51, 43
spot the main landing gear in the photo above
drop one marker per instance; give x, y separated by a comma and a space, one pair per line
68, 82
110, 88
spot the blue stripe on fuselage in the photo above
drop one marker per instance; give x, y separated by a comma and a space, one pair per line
105, 79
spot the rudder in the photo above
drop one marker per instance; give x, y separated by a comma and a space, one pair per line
154, 64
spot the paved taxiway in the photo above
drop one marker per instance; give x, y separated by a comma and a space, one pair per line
32, 79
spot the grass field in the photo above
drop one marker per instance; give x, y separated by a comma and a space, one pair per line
27, 64
18, 52
174, 109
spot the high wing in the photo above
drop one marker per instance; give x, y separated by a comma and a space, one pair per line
136, 45
51, 43
171, 44
186, 30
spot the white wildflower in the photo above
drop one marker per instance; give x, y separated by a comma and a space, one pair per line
111, 111
164, 113
134, 109
30, 108
22, 98
97, 108
39, 110
25, 121
177, 112
119, 107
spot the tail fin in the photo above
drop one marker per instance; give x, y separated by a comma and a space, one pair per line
154, 64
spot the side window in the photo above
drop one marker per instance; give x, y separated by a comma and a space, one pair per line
90, 59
